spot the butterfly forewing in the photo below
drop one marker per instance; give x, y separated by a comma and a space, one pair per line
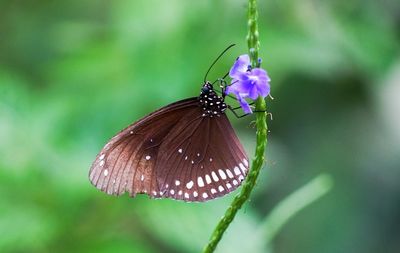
127, 161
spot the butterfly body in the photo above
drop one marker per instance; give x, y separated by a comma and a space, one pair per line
187, 151
212, 104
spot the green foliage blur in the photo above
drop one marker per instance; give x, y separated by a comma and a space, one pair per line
73, 73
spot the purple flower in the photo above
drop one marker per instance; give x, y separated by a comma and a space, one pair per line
247, 82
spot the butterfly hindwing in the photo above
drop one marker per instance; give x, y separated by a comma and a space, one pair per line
201, 160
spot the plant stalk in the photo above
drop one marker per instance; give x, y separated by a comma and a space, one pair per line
261, 141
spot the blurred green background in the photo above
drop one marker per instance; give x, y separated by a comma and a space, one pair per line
73, 73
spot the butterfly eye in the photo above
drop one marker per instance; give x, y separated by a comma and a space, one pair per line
205, 89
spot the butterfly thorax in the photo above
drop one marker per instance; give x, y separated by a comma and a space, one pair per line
210, 102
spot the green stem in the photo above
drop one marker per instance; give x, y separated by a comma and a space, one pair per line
261, 124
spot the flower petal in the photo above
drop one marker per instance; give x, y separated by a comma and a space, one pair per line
240, 66
261, 73
245, 106
235, 89
264, 89
253, 92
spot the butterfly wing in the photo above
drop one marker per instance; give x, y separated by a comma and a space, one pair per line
127, 161
200, 159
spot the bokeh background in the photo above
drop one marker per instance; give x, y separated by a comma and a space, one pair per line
73, 73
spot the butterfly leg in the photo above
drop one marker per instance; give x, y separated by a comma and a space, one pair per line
226, 95
233, 110
223, 86
239, 116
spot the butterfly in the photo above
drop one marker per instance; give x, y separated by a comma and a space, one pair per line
186, 151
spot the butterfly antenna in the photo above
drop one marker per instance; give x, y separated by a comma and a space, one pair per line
215, 61
225, 75
220, 79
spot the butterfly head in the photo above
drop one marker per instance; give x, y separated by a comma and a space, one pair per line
206, 89
212, 104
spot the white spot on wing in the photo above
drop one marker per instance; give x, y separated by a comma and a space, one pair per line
172, 191
200, 181
229, 173
241, 178
246, 163
105, 173
237, 171
235, 182
210, 159
205, 195
177, 182
222, 174
180, 192
180, 150
228, 185
148, 157
213, 191
208, 179
142, 177
101, 163
242, 168
195, 194
189, 185
186, 195
221, 188
186, 157
102, 157
214, 176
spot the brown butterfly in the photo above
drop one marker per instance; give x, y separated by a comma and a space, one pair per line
187, 151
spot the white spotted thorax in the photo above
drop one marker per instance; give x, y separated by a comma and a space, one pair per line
212, 104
